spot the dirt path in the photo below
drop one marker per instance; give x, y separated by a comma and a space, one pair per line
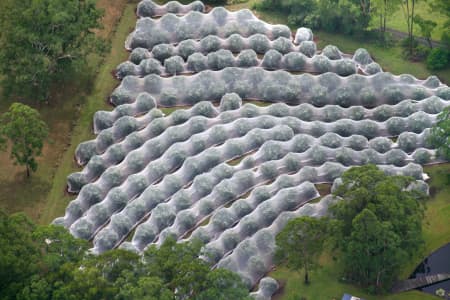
398, 35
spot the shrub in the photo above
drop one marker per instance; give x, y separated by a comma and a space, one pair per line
259, 43
150, 66
210, 43
345, 67
174, 65
362, 56
235, 43
162, 51
331, 140
283, 45
220, 60
139, 54
308, 48
294, 61
438, 59
332, 52
247, 58
272, 60
197, 62
380, 144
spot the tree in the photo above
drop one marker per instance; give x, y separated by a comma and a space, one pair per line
373, 250
385, 9
443, 7
300, 244
33, 258
221, 284
42, 40
189, 277
17, 253
440, 133
375, 212
172, 271
47, 262
426, 28
26, 131
297, 10
408, 7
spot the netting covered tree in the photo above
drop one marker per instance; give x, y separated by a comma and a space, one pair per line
231, 173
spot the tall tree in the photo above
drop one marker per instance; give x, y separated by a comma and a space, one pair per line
392, 209
41, 40
17, 253
46, 262
440, 133
443, 7
426, 28
385, 9
409, 11
24, 128
34, 259
300, 244
373, 250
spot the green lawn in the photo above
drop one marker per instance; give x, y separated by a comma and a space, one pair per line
325, 286
397, 20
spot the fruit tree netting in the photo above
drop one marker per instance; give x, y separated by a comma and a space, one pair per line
223, 168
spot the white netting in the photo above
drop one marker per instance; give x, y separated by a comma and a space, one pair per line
259, 84
195, 25
148, 8
232, 175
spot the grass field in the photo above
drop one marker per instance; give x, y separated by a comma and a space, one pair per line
397, 20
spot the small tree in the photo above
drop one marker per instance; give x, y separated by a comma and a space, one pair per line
300, 243
426, 28
440, 133
24, 128
385, 9
408, 7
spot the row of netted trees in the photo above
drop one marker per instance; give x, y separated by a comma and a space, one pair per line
228, 173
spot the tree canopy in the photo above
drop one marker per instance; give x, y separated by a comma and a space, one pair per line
46, 262
300, 243
42, 39
379, 225
440, 133
26, 131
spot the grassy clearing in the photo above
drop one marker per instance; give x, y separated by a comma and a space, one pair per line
325, 286
57, 200
61, 114
398, 21
325, 280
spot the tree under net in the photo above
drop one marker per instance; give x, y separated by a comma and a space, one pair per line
227, 172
